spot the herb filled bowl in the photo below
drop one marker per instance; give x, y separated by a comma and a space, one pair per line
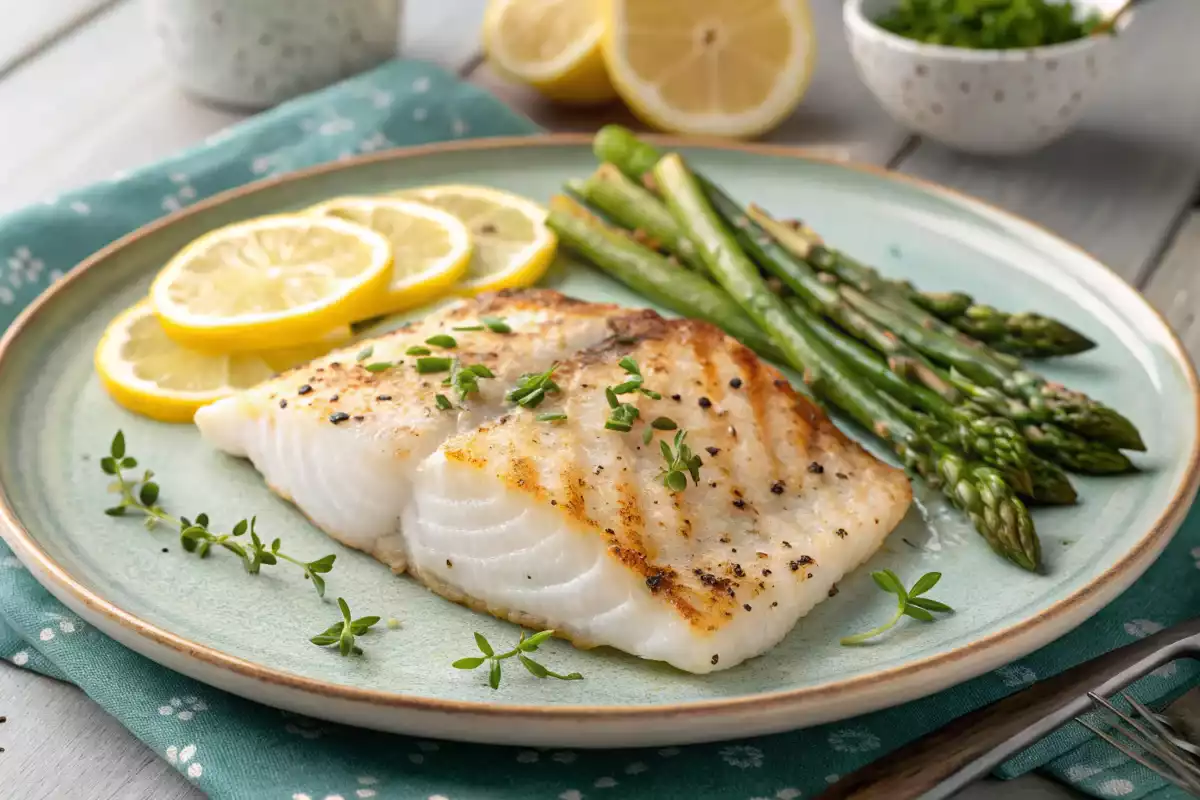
1007, 77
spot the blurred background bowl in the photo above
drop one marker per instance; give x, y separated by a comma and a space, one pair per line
980, 101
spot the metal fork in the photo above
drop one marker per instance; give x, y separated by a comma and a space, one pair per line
943, 762
1161, 749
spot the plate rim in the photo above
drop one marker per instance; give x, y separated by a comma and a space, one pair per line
1072, 609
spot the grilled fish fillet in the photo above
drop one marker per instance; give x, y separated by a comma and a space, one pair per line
342, 442
569, 525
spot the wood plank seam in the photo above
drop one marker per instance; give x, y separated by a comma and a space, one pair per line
1156, 258
51, 38
471, 64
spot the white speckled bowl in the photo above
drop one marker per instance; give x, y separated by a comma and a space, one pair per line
980, 101
256, 53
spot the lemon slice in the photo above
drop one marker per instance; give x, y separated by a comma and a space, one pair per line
552, 45
430, 248
271, 282
719, 67
513, 246
148, 373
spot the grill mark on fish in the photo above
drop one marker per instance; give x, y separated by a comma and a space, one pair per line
574, 485
522, 473
713, 388
755, 379
629, 518
684, 526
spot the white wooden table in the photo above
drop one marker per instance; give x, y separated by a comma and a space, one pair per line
1122, 186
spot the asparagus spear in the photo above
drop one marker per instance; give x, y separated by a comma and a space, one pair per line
652, 276
635, 208
1019, 334
1075, 452
1051, 486
1045, 401
978, 489
1062, 446
1026, 334
1096, 431
944, 305
993, 440
618, 146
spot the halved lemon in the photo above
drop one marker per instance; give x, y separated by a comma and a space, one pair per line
151, 374
513, 246
552, 45
714, 67
431, 249
271, 282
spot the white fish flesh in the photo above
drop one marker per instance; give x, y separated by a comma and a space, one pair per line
565, 524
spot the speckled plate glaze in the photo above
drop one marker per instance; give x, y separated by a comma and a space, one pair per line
249, 635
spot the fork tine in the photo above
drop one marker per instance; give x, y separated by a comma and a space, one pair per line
1174, 737
1124, 717
1165, 735
1157, 769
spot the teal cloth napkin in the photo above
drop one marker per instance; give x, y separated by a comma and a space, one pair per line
233, 748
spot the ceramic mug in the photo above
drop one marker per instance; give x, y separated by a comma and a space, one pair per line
256, 53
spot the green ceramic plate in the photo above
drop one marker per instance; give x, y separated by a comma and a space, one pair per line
250, 634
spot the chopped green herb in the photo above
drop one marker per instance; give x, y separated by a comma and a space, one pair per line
988, 24
342, 633
379, 366
465, 380
909, 603
493, 660
442, 340
681, 462
427, 365
532, 388
497, 324
622, 416
551, 417
663, 424
417, 350
442, 402
365, 353
634, 383
468, 328
647, 435
482, 371
140, 495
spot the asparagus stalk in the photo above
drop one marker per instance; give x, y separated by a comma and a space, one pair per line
944, 305
978, 489
653, 276
1045, 401
618, 146
1052, 415
1075, 452
1023, 334
636, 208
993, 440
1051, 486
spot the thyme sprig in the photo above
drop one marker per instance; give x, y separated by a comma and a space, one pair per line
524, 645
909, 603
623, 415
681, 462
342, 633
635, 380
140, 496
